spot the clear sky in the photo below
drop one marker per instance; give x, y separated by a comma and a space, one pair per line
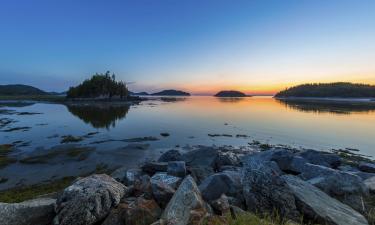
200, 46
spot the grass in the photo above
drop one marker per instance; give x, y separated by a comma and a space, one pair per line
247, 218
29, 192
370, 215
5, 149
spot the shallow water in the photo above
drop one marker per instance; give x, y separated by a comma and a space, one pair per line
317, 125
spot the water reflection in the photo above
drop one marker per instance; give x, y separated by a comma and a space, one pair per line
328, 106
230, 99
100, 115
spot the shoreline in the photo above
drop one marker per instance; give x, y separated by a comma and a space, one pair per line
330, 99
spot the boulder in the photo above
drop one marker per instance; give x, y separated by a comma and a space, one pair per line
265, 191
370, 184
221, 205
186, 205
176, 168
202, 157
321, 158
126, 176
367, 167
318, 207
199, 173
138, 212
38, 211
154, 167
172, 181
227, 158
88, 200
162, 193
142, 186
171, 155
227, 182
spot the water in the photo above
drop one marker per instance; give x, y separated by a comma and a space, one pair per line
321, 126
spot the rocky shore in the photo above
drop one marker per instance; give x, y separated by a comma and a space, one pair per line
214, 185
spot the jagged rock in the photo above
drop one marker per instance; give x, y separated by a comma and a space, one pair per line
171, 155
142, 186
177, 168
227, 182
321, 158
138, 212
88, 200
227, 159
126, 176
230, 168
172, 181
202, 157
200, 173
264, 191
345, 187
186, 205
221, 205
370, 184
154, 167
309, 171
318, 207
367, 167
38, 211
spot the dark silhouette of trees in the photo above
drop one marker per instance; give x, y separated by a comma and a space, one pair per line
100, 85
339, 89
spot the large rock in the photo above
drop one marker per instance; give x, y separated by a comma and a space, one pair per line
126, 176
367, 167
321, 158
370, 184
202, 157
167, 179
221, 205
264, 191
138, 212
142, 186
227, 182
186, 205
199, 173
88, 200
163, 187
38, 211
227, 158
154, 167
171, 155
318, 207
176, 168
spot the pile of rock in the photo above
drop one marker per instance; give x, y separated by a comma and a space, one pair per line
210, 182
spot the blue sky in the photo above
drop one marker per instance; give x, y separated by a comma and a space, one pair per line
197, 46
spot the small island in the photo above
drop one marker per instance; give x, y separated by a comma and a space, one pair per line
20, 89
171, 93
329, 90
231, 94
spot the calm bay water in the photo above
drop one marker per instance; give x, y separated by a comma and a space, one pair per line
188, 120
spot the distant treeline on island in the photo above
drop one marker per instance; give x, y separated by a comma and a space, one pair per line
325, 90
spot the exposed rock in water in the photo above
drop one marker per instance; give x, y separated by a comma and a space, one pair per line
321, 158
37, 211
171, 155
186, 205
88, 200
367, 167
138, 212
317, 206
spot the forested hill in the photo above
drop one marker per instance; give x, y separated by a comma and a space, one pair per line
324, 90
20, 89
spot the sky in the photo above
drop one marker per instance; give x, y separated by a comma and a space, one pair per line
199, 46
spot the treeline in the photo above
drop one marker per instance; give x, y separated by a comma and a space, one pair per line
99, 85
339, 89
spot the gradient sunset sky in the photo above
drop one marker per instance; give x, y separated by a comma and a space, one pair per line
204, 46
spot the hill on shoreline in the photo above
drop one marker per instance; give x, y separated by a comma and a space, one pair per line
326, 90
20, 89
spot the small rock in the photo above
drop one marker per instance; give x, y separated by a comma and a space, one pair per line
164, 134
318, 207
367, 167
171, 155
75, 205
139, 212
153, 167
221, 205
37, 211
186, 205
176, 168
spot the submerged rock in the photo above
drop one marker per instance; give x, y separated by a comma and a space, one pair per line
186, 205
37, 211
88, 200
318, 207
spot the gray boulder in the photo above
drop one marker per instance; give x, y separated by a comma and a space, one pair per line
186, 205
176, 168
370, 184
199, 173
142, 186
318, 207
154, 167
221, 205
227, 158
171, 155
126, 176
367, 167
264, 191
321, 158
172, 181
162, 192
38, 211
227, 182
202, 157
88, 200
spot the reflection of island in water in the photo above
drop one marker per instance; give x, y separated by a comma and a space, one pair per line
100, 115
230, 99
336, 107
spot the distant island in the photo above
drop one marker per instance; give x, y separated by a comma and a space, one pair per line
171, 93
20, 89
232, 94
138, 93
100, 86
329, 90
